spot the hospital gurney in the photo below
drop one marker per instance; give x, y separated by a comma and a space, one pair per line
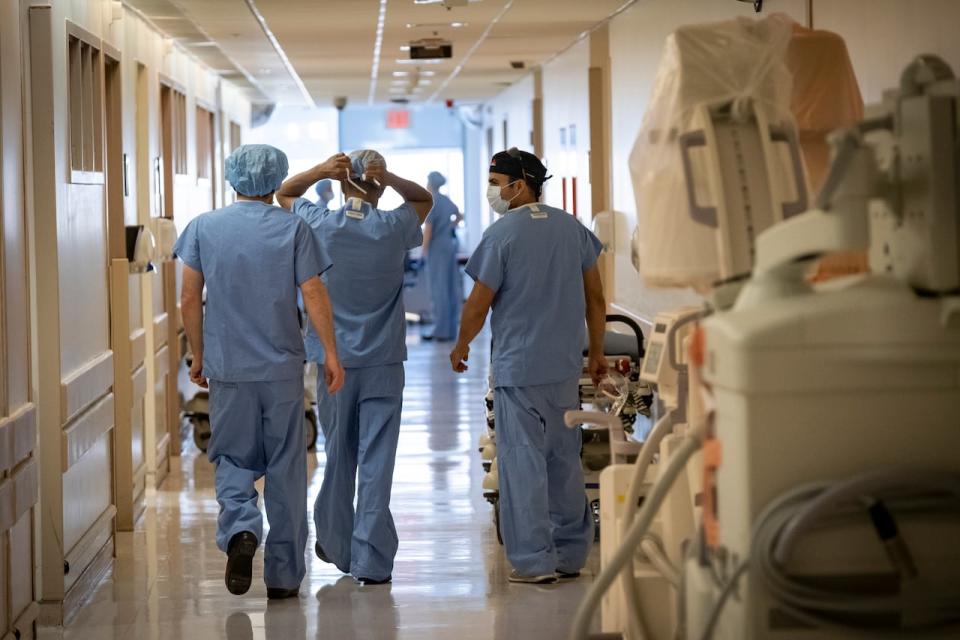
601, 446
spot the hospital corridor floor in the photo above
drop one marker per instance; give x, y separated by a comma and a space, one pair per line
450, 577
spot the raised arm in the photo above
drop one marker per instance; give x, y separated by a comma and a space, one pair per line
596, 322
474, 314
191, 308
334, 167
316, 301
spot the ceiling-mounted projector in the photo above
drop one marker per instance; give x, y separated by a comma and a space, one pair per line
431, 49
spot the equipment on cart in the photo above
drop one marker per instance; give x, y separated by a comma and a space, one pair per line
828, 416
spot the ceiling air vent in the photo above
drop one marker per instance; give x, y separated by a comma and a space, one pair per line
400, 100
518, 64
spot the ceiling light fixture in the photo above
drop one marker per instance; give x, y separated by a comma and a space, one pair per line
377, 47
400, 74
435, 25
427, 61
476, 45
404, 47
252, 5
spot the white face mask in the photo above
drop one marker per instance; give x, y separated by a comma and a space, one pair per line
497, 203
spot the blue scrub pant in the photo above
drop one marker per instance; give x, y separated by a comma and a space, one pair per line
545, 518
256, 431
361, 427
446, 288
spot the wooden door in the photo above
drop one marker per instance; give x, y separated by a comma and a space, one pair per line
18, 418
124, 338
173, 136
73, 351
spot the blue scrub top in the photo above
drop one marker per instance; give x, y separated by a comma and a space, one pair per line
441, 219
369, 247
253, 256
534, 258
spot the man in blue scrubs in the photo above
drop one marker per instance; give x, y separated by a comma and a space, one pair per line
440, 253
536, 267
246, 342
361, 424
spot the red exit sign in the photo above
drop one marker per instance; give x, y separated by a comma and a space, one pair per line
398, 119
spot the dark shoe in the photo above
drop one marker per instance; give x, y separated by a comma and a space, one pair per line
240, 554
279, 593
520, 579
563, 575
371, 581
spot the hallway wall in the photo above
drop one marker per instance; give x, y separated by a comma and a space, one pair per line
105, 342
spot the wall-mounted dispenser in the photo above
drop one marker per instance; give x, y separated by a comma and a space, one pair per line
140, 248
165, 236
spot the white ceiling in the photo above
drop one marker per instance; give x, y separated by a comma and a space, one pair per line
329, 44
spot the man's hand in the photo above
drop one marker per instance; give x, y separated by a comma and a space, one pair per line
459, 357
335, 167
376, 172
596, 367
333, 374
196, 373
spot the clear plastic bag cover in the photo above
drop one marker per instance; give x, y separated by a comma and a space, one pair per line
740, 61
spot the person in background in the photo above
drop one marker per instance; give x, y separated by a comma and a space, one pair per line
361, 424
440, 253
252, 256
536, 268
324, 191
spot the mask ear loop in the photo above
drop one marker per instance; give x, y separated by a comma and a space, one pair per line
356, 186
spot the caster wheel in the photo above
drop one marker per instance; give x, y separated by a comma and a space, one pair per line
201, 433
310, 430
496, 521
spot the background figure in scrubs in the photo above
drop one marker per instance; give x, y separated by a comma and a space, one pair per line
440, 252
361, 424
324, 190
536, 267
246, 342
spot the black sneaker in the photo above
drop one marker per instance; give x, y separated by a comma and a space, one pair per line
371, 581
240, 554
279, 593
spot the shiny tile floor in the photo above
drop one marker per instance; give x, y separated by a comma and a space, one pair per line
450, 578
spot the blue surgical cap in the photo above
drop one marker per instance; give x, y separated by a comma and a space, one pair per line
362, 159
436, 180
324, 186
256, 169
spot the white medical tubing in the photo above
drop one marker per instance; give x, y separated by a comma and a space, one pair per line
658, 558
631, 601
651, 504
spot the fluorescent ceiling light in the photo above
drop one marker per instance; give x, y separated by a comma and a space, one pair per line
435, 25
377, 47
400, 74
404, 47
406, 61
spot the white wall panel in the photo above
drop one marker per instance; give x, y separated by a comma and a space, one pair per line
883, 36
566, 128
